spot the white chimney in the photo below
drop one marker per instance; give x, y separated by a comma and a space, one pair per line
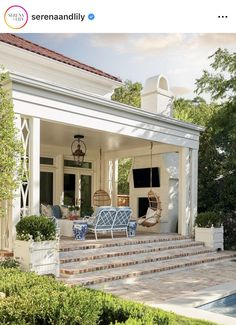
156, 96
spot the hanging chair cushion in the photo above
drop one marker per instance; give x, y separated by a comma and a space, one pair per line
64, 211
46, 210
150, 217
150, 213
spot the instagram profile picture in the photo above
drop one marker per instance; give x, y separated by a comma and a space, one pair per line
16, 17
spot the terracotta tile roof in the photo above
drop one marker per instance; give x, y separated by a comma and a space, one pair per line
35, 48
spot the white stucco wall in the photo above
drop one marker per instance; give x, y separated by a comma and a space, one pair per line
168, 190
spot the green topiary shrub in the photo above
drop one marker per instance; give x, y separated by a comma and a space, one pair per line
38, 228
207, 219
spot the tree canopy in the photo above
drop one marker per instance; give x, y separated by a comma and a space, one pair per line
195, 111
123, 174
220, 83
10, 146
129, 94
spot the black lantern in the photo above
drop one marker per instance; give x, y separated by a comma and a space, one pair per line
78, 149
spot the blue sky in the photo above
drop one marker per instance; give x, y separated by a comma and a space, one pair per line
180, 57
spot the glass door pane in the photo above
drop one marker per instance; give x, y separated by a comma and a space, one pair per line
46, 187
85, 195
69, 189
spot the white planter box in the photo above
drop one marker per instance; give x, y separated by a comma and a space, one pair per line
41, 257
212, 237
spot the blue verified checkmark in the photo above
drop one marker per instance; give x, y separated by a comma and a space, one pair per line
91, 16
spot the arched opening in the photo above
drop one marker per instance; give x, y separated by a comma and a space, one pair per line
163, 84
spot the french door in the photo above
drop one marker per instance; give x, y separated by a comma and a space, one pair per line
78, 190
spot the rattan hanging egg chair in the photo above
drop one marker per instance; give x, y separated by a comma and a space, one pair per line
101, 197
153, 214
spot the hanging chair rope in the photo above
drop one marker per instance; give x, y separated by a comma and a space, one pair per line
151, 165
101, 197
100, 164
154, 211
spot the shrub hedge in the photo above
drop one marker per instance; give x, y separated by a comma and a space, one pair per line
33, 299
41, 300
208, 218
229, 222
118, 311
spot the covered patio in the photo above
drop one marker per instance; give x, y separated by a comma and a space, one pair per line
54, 100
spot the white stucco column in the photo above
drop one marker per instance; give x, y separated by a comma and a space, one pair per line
188, 184
34, 164
193, 186
113, 180
58, 197
105, 174
184, 192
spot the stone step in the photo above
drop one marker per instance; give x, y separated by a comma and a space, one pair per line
72, 245
101, 276
74, 268
109, 252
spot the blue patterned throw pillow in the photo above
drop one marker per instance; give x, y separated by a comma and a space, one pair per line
56, 211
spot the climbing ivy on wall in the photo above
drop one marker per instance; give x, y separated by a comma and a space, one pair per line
10, 145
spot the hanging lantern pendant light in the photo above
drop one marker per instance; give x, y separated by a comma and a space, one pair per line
78, 150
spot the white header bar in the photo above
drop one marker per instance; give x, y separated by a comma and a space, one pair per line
122, 16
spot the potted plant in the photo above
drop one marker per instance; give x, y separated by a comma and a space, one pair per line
37, 245
209, 229
73, 212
